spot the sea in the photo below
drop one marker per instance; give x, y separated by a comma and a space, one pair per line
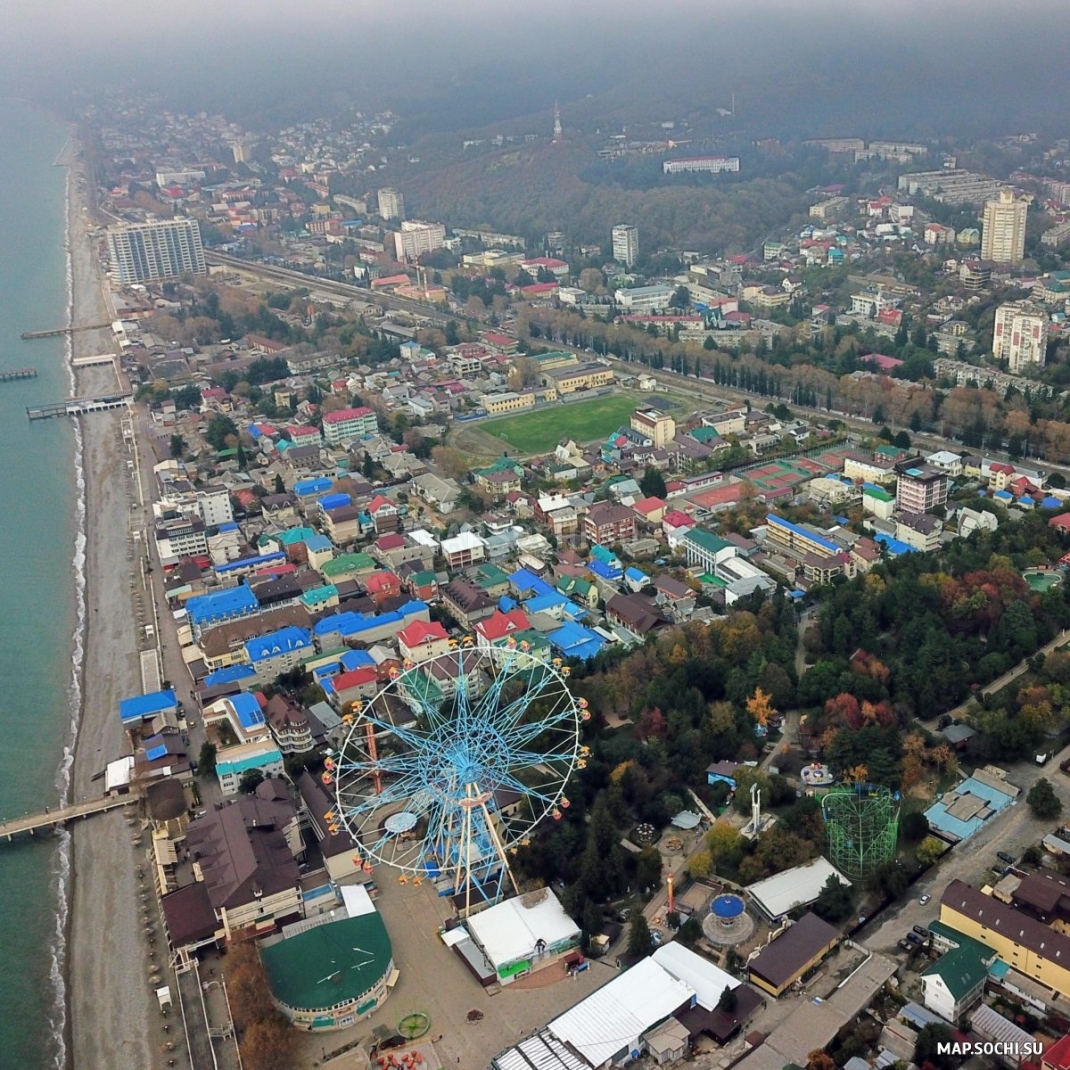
42, 581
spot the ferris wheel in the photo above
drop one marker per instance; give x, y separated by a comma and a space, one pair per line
448, 768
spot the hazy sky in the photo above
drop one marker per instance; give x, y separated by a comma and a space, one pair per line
927, 60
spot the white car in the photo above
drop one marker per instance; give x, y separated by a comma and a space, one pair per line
924, 899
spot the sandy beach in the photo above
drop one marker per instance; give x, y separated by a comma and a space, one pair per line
113, 1018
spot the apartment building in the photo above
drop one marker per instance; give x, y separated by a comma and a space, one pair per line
345, 425
1020, 336
920, 487
147, 252
1003, 228
659, 427
416, 238
625, 244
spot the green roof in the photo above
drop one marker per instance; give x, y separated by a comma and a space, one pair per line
890, 451
331, 964
320, 594
714, 581
706, 540
422, 579
348, 563
705, 434
293, 535
491, 576
872, 491
962, 968
535, 639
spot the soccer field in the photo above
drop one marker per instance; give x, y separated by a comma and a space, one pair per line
584, 421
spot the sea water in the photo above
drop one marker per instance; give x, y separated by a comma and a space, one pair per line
42, 553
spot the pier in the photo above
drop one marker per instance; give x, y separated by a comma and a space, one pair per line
79, 406
55, 332
18, 373
52, 819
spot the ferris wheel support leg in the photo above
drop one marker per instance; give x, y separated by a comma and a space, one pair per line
500, 848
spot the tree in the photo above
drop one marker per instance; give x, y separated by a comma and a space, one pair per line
639, 940
648, 868
820, 1060
701, 864
451, 463
178, 447
890, 880
1043, 801
722, 840
219, 429
835, 901
251, 779
760, 707
653, 484
915, 826
280, 486
927, 1048
728, 1001
690, 932
930, 850
206, 762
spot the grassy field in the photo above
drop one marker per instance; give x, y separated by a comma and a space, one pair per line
584, 421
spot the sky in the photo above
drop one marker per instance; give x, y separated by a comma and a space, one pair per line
816, 63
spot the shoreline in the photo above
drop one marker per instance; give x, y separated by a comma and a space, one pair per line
110, 1014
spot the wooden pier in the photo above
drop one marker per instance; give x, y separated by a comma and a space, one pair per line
79, 406
18, 373
52, 819
55, 332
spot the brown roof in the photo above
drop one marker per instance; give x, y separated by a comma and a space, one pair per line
318, 803
189, 915
719, 1024
282, 712
220, 640
788, 955
242, 849
636, 613
1023, 930
1043, 893
166, 799
609, 513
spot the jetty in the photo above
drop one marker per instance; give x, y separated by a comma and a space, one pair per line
79, 406
55, 332
54, 818
18, 373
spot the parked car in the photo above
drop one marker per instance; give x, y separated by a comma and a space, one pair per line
925, 899
914, 938
906, 945
922, 931
657, 937
1004, 857
624, 913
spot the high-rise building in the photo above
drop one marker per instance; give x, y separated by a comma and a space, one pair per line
1020, 336
415, 238
625, 244
391, 204
1003, 228
144, 252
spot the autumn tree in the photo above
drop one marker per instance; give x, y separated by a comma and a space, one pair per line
760, 707
450, 462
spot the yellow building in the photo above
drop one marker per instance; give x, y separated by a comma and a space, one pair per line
496, 404
582, 377
1025, 944
657, 426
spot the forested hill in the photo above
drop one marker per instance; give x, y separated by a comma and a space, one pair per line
537, 188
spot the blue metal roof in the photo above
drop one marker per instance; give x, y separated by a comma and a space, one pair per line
284, 641
575, 641
523, 580
247, 709
140, 706
894, 546
636, 576
305, 487
606, 572
156, 752
231, 674
832, 548
276, 557
356, 659
222, 605
543, 602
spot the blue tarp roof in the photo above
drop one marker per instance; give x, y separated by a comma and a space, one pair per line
222, 605
247, 709
230, 526
284, 641
229, 675
140, 706
156, 752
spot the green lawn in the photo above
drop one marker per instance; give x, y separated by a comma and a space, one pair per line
584, 421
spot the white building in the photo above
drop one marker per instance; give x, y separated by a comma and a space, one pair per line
347, 425
214, 505
1003, 228
181, 538
391, 204
1020, 336
797, 887
416, 238
709, 164
625, 244
644, 298
144, 252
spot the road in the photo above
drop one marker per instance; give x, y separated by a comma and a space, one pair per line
1012, 831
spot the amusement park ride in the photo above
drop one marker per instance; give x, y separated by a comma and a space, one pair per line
432, 763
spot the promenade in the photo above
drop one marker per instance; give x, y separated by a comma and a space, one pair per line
61, 814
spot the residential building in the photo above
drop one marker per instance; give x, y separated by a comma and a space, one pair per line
607, 523
1025, 944
659, 427
467, 601
877, 500
422, 640
708, 164
919, 530
641, 299
147, 252
797, 540
245, 853
391, 204
214, 505
1003, 228
289, 724
345, 425
1020, 336
954, 984
279, 652
589, 376
182, 537
625, 244
416, 238
920, 487
463, 550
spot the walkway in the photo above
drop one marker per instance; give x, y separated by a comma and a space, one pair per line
52, 818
